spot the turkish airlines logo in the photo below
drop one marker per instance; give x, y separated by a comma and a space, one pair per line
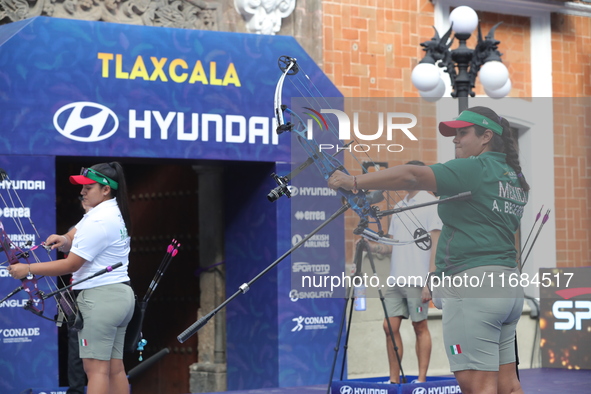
85, 121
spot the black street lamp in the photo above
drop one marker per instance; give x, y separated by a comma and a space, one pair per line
462, 64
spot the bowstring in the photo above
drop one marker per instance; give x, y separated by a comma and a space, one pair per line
315, 97
31, 252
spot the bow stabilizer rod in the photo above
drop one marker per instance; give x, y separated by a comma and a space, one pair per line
98, 273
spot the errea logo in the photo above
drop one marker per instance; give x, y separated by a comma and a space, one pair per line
85, 121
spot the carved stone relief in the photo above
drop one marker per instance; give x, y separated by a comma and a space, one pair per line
264, 16
189, 14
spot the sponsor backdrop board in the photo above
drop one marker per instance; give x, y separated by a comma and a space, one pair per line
96, 89
433, 385
103, 89
565, 317
28, 343
279, 336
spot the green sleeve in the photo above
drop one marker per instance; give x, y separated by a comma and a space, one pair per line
457, 176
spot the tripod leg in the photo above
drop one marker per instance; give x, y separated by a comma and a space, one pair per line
357, 261
382, 299
338, 344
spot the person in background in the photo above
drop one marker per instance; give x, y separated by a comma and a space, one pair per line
410, 265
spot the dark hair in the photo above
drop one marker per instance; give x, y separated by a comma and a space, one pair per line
505, 143
114, 171
415, 163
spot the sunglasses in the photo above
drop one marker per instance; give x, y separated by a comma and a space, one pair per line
98, 177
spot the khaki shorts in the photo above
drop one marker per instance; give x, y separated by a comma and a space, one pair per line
106, 311
479, 322
405, 302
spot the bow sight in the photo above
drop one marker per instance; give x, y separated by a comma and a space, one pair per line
281, 190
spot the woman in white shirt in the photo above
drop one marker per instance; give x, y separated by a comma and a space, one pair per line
106, 302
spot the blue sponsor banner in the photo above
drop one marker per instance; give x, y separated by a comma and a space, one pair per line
83, 88
96, 89
433, 385
28, 343
313, 310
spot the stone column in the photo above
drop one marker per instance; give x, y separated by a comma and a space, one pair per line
209, 373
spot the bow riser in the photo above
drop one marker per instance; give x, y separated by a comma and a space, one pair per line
14, 255
326, 163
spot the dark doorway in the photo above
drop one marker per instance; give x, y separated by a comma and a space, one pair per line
164, 206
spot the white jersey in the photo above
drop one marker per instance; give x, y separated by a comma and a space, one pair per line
102, 240
409, 261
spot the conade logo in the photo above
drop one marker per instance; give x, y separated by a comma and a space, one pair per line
85, 121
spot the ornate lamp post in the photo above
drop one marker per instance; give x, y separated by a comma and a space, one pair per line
462, 64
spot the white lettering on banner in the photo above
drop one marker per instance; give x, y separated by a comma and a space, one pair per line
235, 129
316, 191
295, 295
312, 322
319, 320
16, 212
181, 126
363, 390
21, 332
315, 241
444, 390
418, 390
22, 237
573, 319
21, 240
22, 185
19, 335
310, 215
14, 303
318, 269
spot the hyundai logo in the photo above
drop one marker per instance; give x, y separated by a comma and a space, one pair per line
346, 390
85, 121
419, 390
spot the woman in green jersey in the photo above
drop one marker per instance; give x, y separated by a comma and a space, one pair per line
476, 254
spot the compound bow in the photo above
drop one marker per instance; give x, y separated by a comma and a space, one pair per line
23, 254
361, 202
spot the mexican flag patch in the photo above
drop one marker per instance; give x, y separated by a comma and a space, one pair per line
83, 342
455, 349
419, 309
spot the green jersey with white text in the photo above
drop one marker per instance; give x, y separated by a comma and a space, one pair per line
479, 231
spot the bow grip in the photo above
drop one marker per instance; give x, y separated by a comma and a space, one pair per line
194, 328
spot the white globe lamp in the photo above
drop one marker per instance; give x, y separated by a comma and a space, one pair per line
493, 75
425, 76
499, 93
464, 20
435, 94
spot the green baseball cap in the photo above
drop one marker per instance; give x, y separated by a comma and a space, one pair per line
466, 119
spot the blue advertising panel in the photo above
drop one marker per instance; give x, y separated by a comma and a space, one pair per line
311, 313
28, 343
85, 88
433, 385
96, 89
